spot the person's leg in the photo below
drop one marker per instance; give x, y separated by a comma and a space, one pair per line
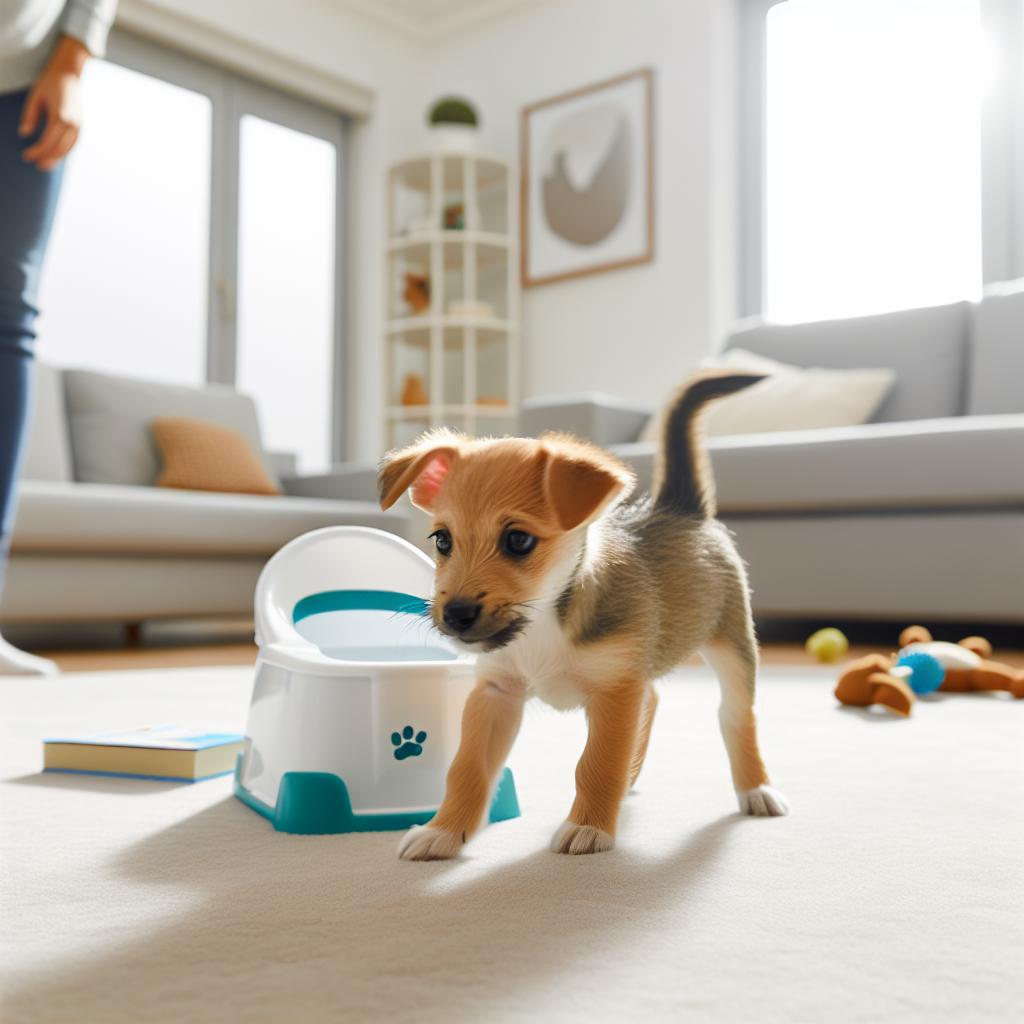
28, 198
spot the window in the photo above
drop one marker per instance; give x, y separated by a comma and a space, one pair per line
286, 280
126, 278
197, 239
882, 153
872, 156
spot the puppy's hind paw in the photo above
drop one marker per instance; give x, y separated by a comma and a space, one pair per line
579, 839
422, 842
762, 802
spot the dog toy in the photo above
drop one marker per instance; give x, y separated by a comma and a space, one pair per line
827, 645
924, 665
924, 672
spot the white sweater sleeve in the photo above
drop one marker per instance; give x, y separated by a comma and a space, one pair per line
89, 22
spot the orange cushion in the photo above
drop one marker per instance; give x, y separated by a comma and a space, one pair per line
201, 456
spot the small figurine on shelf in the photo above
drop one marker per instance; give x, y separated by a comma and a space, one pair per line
455, 217
417, 293
414, 390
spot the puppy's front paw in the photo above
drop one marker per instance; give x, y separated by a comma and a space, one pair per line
422, 842
762, 802
577, 839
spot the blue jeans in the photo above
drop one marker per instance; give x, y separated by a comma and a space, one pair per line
28, 199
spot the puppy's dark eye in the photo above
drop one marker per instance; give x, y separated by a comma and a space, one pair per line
518, 543
442, 542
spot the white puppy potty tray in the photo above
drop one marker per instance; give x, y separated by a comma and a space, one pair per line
357, 704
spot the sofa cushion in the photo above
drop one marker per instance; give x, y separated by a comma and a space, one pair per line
100, 518
996, 373
110, 418
926, 347
201, 456
959, 462
48, 452
905, 566
789, 398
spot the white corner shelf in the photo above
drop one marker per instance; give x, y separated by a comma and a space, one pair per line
426, 412
448, 236
408, 324
415, 172
491, 248
449, 359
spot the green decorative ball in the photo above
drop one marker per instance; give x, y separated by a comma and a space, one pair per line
827, 644
452, 110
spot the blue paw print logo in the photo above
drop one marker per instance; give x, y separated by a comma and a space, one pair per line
406, 744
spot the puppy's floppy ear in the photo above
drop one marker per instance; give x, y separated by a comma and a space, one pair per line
422, 466
581, 480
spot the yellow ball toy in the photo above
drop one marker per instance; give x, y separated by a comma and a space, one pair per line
827, 645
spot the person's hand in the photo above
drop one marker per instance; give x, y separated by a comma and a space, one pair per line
54, 99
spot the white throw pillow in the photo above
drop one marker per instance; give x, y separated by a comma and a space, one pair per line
792, 398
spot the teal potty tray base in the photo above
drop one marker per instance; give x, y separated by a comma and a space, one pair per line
317, 803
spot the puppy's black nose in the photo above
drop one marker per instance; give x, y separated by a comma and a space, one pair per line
460, 614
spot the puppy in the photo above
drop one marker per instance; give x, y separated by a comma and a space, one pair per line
569, 593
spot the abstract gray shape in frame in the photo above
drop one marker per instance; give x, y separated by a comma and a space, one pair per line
585, 208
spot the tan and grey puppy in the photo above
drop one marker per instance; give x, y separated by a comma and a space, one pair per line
571, 594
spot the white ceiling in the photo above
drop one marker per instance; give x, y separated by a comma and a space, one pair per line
431, 19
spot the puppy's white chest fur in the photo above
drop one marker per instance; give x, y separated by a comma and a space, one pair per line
545, 660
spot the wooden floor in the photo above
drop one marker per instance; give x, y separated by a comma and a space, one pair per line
177, 656
183, 656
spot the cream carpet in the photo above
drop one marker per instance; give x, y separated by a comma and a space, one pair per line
895, 891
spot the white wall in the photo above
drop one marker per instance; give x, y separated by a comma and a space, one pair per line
633, 332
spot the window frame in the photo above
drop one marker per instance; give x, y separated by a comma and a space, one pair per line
752, 68
1002, 144
232, 96
1002, 149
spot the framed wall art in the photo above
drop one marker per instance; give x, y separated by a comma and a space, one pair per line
587, 180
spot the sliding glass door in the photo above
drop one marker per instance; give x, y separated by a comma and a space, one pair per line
198, 239
126, 279
287, 274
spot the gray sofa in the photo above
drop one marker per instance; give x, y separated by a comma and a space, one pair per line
917, 515
95, 541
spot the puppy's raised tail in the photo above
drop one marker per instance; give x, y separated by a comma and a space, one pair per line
683, 481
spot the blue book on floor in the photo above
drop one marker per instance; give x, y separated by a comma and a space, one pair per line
174, 752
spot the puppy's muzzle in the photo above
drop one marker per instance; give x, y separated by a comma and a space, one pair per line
464, 620
460, 615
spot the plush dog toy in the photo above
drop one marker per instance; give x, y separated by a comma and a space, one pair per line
877, 679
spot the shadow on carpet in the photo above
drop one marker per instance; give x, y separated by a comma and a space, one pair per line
339, 928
